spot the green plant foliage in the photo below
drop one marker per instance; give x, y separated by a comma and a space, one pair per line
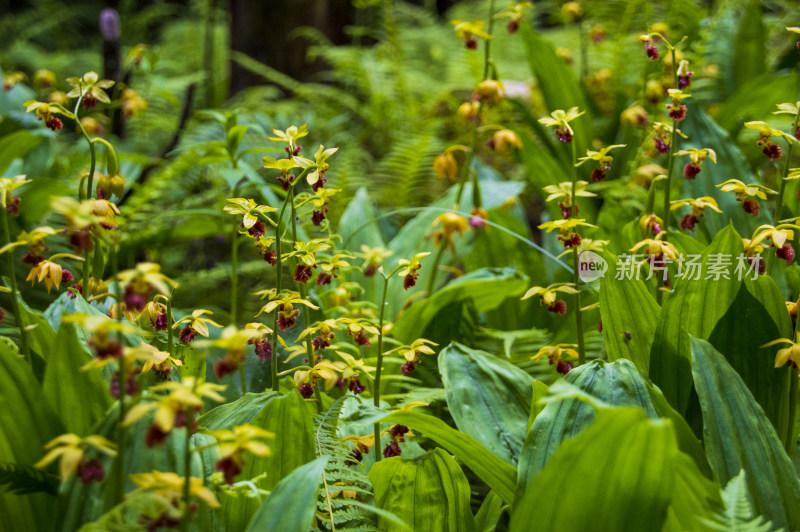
737, 513
341, 477
488, 397
627, 306
620, 384
292, 503
430, 491
496, 473
738, 436
23, 480
26, 424
740, 333
633, 496
335, 280
693, 308
68, 385
481, 288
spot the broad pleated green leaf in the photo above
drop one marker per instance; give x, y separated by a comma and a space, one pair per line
694, 307
738, 436
619, 474
27, 423
291, 505
489, 398
16, 145
80, 398
627, 306
430, 492
739, 335
620, 384
496, 473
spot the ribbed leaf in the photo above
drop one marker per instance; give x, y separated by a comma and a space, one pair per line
489, 398
606, 478
430, 492
739, 335
291, 505
26, 424
619, 384
497, 474
694, 307
80, 398
738, 436
627, 306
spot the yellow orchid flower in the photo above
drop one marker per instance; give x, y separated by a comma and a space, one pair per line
90, 88
561, 119
248, 209
197, 322
564, 190
148, 273
658, 249
555, 352
171, 486
69, 449
788, 355
548, 296
290, 136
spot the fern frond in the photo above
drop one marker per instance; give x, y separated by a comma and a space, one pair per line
25, 479
334, 511
737, 514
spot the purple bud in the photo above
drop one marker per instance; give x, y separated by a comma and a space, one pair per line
110, 24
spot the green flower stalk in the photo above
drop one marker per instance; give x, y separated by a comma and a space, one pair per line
23, 333
409, 270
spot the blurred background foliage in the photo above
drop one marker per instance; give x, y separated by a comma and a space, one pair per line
382, 80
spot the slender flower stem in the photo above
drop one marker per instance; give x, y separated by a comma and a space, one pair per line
782, 188
301, 287
170, 338
187, 470
376, 397
88, 194
234, 273
671, 161
92, 154
23, 334
436, 261
575, 277
279, 280
278, 287
121, 430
